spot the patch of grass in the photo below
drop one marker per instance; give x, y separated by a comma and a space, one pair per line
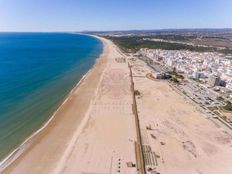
212, 108
228, 106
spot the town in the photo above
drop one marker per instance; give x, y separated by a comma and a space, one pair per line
204, 77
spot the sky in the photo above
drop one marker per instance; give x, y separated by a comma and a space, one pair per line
105, 15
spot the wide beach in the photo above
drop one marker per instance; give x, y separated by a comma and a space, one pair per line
49, 144
95, 130
87, 103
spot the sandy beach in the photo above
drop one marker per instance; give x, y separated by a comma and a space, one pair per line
94, 128
94, 132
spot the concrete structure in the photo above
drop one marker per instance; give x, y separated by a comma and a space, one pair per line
207, 63
196, 75
214, 81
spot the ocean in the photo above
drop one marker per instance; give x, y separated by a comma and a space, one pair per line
37, 71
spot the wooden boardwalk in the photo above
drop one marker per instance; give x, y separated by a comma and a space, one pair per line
138, 145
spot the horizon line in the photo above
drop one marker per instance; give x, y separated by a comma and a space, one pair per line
127, 30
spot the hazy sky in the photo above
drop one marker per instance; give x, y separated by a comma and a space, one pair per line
77, 15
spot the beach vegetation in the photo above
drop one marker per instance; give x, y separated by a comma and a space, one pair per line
175, 80
137, 93
228, 106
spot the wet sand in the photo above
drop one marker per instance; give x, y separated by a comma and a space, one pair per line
49, 144
94, 131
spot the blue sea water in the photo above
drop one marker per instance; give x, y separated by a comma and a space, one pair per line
37, 71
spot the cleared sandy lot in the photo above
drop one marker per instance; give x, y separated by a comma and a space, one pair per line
182, 140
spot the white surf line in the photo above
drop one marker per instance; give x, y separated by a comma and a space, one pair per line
26, 144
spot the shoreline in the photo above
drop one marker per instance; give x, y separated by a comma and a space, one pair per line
29, 141
26, 143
